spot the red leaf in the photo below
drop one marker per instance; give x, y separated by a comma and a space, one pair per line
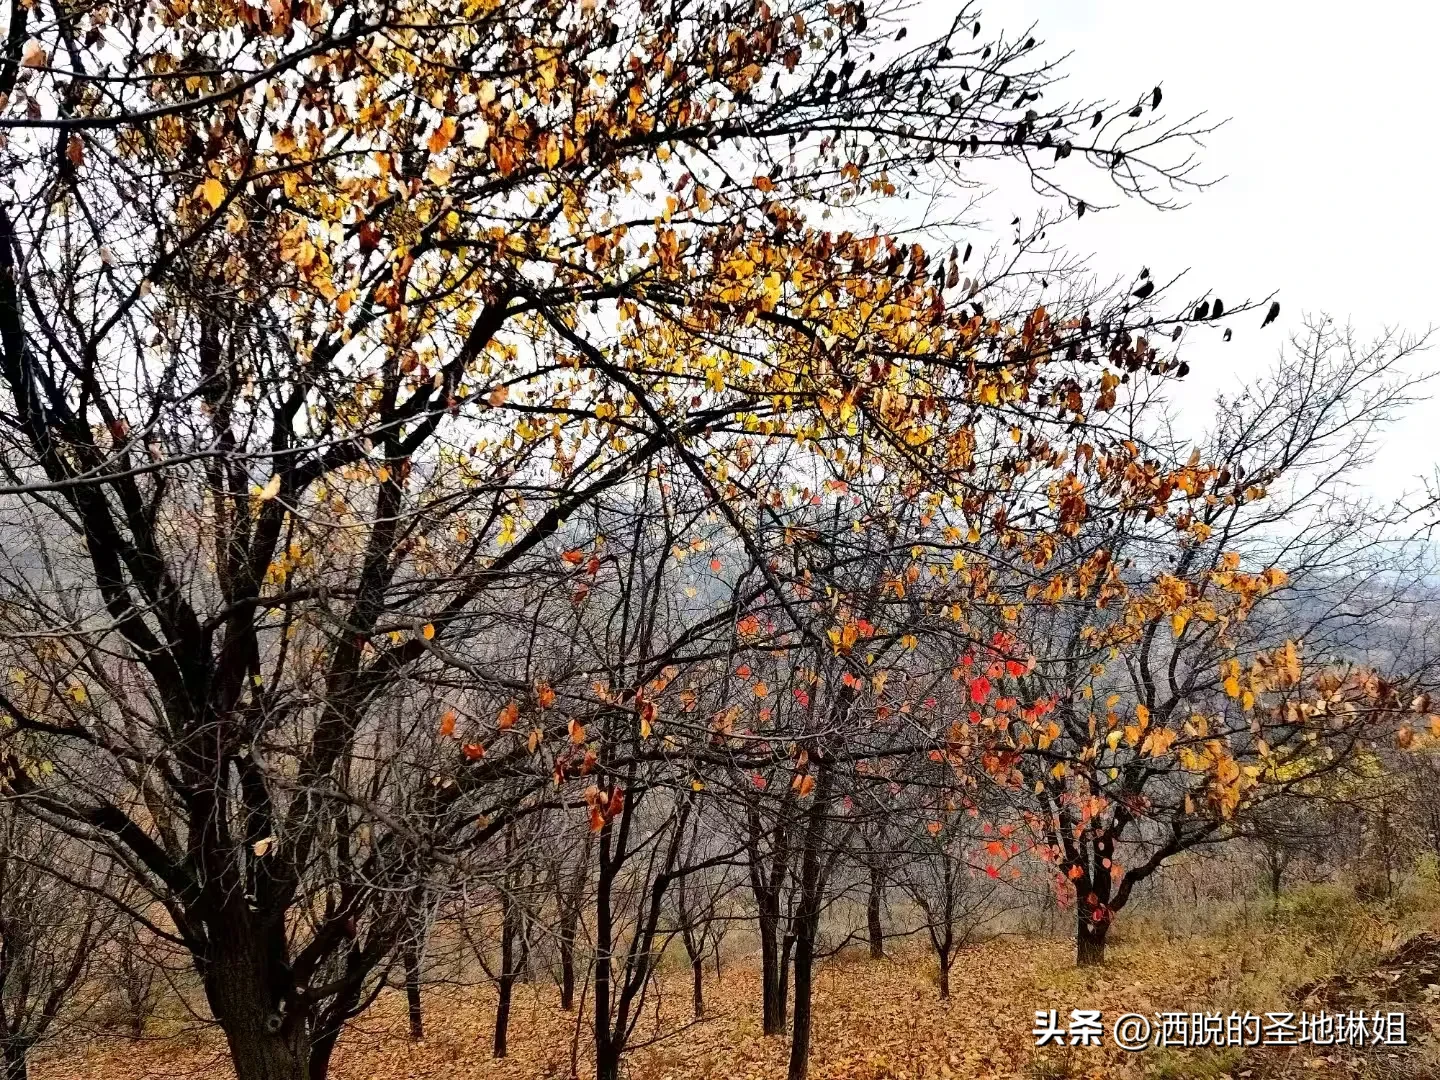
979, 689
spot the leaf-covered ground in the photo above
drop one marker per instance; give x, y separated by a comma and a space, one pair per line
874, 1019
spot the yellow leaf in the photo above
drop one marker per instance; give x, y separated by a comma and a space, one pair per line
214, 192
260, 847
428, 630
271, 488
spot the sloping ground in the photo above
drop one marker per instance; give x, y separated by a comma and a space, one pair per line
874, 1020
1406, 980
1409, 975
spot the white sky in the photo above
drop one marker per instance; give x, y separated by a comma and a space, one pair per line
1329, 159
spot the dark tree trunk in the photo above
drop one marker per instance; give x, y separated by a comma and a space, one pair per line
872, 915
1093, 911
800, 1028
502, 1013
812, 885
16, 1066
244, 984
787, 950
768, 874
567, 969
1277, 871
510, 916
570, 898
607, 1062
697, 978
1090, 941
944, 978
412, 994
773, 975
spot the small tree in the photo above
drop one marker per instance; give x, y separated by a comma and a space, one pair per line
53, 916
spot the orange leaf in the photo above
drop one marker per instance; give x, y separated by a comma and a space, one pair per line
544, 695
508, 715
440, 138
447, 724
473, 751
574, 558
577, 732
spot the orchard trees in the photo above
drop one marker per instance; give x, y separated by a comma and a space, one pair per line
56, 912
334, 340
1178, 700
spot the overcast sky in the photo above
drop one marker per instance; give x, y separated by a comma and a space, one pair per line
1330, 192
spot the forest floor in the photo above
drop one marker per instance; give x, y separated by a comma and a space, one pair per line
883, 1020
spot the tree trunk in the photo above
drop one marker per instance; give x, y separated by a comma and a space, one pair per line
1093, 912
772, 976
800, 1027
697, 972
607, 1062
567, 964
1090, 941
242, 981
944, 960
412, 994
16, 1066
506, 981
787, 950
812, 884
872, 915
502, 1012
